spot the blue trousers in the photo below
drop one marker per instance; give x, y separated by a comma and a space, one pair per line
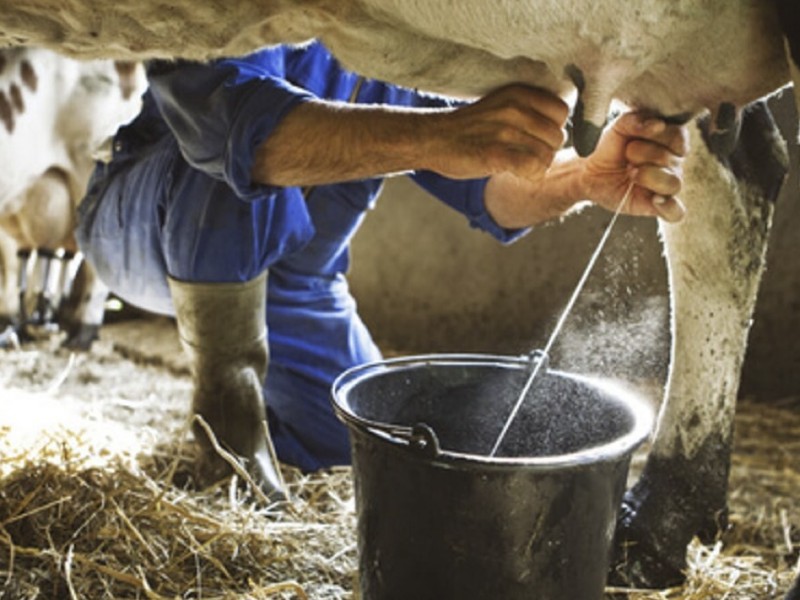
154, 216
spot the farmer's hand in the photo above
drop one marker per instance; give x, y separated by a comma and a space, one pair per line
644, 150
516, 129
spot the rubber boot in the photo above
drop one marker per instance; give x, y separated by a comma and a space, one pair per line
223, 328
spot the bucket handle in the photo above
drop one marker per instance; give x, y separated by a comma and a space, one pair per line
539, 356
420, 438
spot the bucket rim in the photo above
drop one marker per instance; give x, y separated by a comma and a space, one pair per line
404, 436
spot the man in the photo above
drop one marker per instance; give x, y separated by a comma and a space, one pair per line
267, 164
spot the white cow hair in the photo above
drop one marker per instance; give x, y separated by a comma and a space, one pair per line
673, 56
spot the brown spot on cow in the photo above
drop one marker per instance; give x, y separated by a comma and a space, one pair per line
127, 77
29, 77
2, 64
16, 98
6, 113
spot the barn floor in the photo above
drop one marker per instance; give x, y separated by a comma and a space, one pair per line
96, 495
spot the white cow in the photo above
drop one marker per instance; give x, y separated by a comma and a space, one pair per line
678, 58
55, 114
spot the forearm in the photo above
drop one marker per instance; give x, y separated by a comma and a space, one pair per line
514, 202
516, 129
322, 142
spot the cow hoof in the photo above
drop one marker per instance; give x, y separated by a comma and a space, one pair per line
642, 556
81, 337
17, 336
9, 338
654, 529
794, 593
675, 499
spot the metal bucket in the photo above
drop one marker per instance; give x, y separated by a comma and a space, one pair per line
439, 519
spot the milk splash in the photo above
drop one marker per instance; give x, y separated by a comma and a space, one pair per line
540, 357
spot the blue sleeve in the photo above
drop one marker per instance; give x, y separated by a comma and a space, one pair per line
466, 196
221, 112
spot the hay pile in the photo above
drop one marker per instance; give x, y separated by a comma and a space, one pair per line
106, 534
84, 515
70, 530
98, 499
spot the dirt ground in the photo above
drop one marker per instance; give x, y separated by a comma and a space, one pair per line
119, 414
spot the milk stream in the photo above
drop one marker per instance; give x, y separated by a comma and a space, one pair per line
541, 358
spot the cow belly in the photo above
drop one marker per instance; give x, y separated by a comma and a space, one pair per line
645, 51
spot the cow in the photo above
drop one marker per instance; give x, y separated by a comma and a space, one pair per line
688, 60
55, 115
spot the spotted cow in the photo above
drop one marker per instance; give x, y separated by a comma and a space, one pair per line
55, 115
681, 60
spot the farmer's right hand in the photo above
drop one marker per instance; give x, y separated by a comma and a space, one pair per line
516, 129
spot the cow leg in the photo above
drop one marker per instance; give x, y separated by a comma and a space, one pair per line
791, 21
82, 308
43, 220
45, 278
25, 260
46, 221
9, 299
715, 260
794, 593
